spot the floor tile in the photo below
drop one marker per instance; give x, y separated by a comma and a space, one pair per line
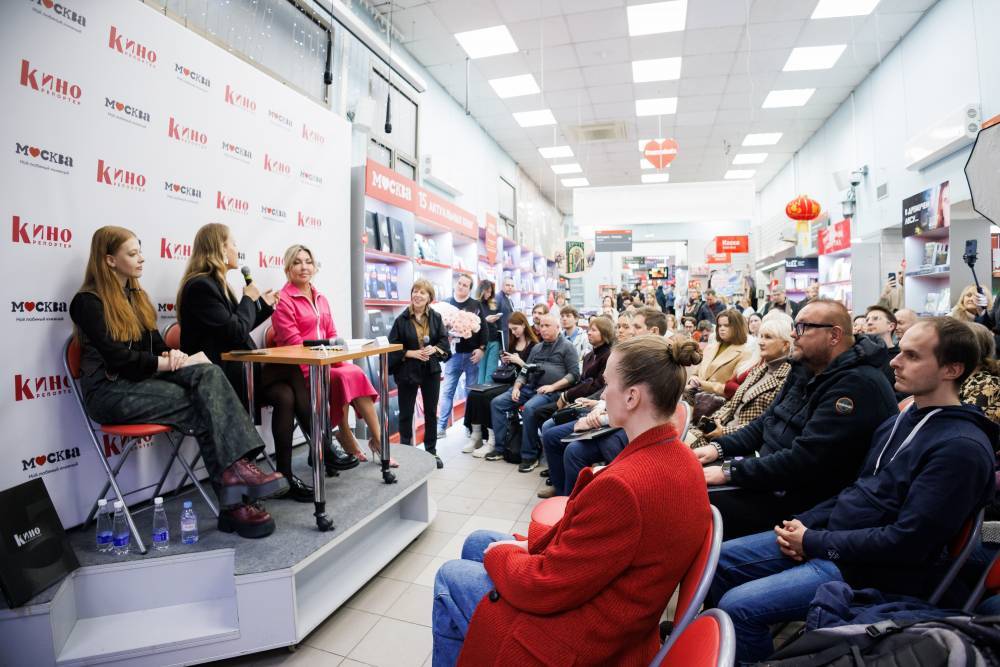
414, 605
393, 643
406, 566
429, 542
521, 527
522, 481
303, 656
426, 576
453, 549
342, 631
486, 523
447, 522
353, 663
441, 484
377, 595
459, 505
498, 509
472, 490
449, 474
513, 494
486, 478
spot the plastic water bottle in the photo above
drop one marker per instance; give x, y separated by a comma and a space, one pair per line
122, 536
105, 538
189, 524
161, 529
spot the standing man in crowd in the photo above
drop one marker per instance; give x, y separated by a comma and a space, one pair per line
506, 305
468, 351
713, 305
779, 302
905, 318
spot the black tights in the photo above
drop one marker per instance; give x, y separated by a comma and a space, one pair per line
283, 387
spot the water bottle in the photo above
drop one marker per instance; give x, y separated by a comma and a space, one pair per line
122, 536
161, 529
105, 539
189, 524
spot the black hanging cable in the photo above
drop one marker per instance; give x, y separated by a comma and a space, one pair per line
388, 92
328, 73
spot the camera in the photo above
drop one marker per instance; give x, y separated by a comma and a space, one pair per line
532, 372
707, 425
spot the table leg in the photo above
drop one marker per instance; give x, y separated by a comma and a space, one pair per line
319, 383
248, 375
383, 416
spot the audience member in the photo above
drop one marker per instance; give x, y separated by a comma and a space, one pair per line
967, 307
696, 308
778, 301
860, 327
714, 304
704, 333
722, 358
467, 354
811, 441
890, 529
982, 387
569, 318
506, 303
880, 324
491, 315
671, 324
592, 588
608, 308
690, 328
601, 337
753, 324
623, 327
537, 312
647, 320
905, 318
989, 317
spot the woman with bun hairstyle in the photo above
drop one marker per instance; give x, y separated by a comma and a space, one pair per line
129, 376
628, 535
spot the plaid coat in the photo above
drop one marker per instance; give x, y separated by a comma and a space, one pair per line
752, 399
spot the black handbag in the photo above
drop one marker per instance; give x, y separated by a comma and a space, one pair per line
512, 444
565, 415
506, 374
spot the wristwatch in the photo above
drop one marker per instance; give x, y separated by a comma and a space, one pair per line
727, 470
718, 448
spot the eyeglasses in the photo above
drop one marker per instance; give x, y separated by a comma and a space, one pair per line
800, 327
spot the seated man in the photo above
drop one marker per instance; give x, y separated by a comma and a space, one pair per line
890, 529
566, 460
811, 441
558, 368
649, 321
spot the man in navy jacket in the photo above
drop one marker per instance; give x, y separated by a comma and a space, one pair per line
928, 471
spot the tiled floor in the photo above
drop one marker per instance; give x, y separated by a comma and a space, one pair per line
387, 623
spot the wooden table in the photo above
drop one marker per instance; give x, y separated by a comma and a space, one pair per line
317, 359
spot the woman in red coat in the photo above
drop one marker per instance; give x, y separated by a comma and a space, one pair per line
593, 587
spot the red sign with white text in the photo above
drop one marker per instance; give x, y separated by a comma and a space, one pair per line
440, 211
732, 244
386, 185
491, 239
718, 258
834, 238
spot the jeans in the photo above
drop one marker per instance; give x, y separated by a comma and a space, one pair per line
502, 404
552, 436
585, 453
757, 585
458, 587
489, 362
429, 387
460, 362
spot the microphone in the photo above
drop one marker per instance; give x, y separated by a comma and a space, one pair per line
325, 342
427, 341
245, 270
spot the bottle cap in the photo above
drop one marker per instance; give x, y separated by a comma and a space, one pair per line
102, 502
157, 500
187, 504
119, 504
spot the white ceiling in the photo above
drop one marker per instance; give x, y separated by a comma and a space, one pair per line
580, 54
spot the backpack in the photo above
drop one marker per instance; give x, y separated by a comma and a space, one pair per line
512, 445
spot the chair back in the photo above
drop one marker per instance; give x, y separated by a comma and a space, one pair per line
905, 403
696, 581
71, 357
269, 336
959, 550
710, 641
682, 419
172, 336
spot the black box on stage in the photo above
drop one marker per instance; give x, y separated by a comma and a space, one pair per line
376, 324
384, 234
34, 550
398, 234
371, 229
371, 369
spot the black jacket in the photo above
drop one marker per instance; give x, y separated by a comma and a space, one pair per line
413, 371
211, 323
813, 438
592, 377
890, 529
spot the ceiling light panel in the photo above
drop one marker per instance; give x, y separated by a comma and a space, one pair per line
735, 174
567, 168
828, 9
575, 182
762, 139
792, 97
806, 58
655, 178
645, 164
749, 158
515, 86
486, 42
656, 106
656, 69
534, 118
656, 17
552, 152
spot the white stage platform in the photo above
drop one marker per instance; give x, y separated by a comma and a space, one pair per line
225, 596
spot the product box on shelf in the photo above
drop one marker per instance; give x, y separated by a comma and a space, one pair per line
393, 281
398, 237
371, 229
382, 279
371, 280
376, 324
384, 234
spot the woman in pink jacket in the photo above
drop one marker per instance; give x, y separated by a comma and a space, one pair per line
304, 314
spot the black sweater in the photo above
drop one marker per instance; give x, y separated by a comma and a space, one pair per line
413, 371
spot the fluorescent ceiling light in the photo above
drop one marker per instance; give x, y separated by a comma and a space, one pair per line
656, 17
515, 86
550, 152
655, 178
534, 118
792, 97
762, 139
487, 42
567, 168
656, 106
749, 158
656, 69
575, 182
828, 9
733, 174
645, 164
813, 57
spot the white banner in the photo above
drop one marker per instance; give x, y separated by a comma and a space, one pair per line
118, 115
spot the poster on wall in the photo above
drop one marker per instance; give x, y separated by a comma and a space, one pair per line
134, 120
927, 210
576, 258
835, 238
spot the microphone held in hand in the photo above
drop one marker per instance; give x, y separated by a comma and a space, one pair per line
245, 270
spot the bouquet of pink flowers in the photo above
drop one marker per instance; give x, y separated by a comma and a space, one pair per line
460, 323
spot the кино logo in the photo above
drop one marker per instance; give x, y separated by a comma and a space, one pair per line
36, 234
50, 84
119, 177
225, 202
131, 48
27, 388
21, 539
309, 221
171, 250
269, 261
239, 100
312, 136
276, 166
185, 134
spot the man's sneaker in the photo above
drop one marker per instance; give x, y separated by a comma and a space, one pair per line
494, 455
547, 492
472, 446
483, 451
527, 465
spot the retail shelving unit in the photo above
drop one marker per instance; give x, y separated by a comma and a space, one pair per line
835, 257
936, 273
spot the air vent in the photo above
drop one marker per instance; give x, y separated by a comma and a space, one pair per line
585, 134
882, 191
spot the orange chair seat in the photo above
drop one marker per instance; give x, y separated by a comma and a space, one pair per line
545, 515
135, 430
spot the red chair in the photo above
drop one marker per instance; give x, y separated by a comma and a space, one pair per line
269, 336
905, 403
709, 641
959, 550
172, 336
682, 419
695, 584
130, 435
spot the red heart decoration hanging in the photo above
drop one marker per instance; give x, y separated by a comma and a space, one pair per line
660, 153
34, 151
29, 306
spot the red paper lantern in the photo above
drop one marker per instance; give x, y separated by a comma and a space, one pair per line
803, 208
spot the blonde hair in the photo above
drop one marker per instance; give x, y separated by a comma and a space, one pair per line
208, 258
960, 313
126, 317
295, 250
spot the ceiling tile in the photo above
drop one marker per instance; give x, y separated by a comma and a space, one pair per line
605, 75
509, 64
614, 110
704, 85
462, 15
687, 118
615, 93
771, 60
513, 11
591, 26
698, 103
567, 99
552, 58
656, 89
766, 11
712, 40
838, 76
436, 52
710, 64
540, 33
713, 14
572, 6
779, 35
886, 27
417, 23
603, 52
563, 79
666, 45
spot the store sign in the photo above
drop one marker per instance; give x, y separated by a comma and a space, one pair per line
718, 258
802, 264
732, 244
835, 238
435, 209
385, 185
930, 209
491, 239
613, 240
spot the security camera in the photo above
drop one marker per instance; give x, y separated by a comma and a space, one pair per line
858, 175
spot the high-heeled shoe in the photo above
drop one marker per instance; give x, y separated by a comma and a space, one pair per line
377, 455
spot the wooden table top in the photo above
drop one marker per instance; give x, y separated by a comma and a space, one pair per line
297, 354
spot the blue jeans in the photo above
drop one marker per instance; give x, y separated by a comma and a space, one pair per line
488, 364
554, 447
502, 404
458, 587
585, 453
460, 362
757, 585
